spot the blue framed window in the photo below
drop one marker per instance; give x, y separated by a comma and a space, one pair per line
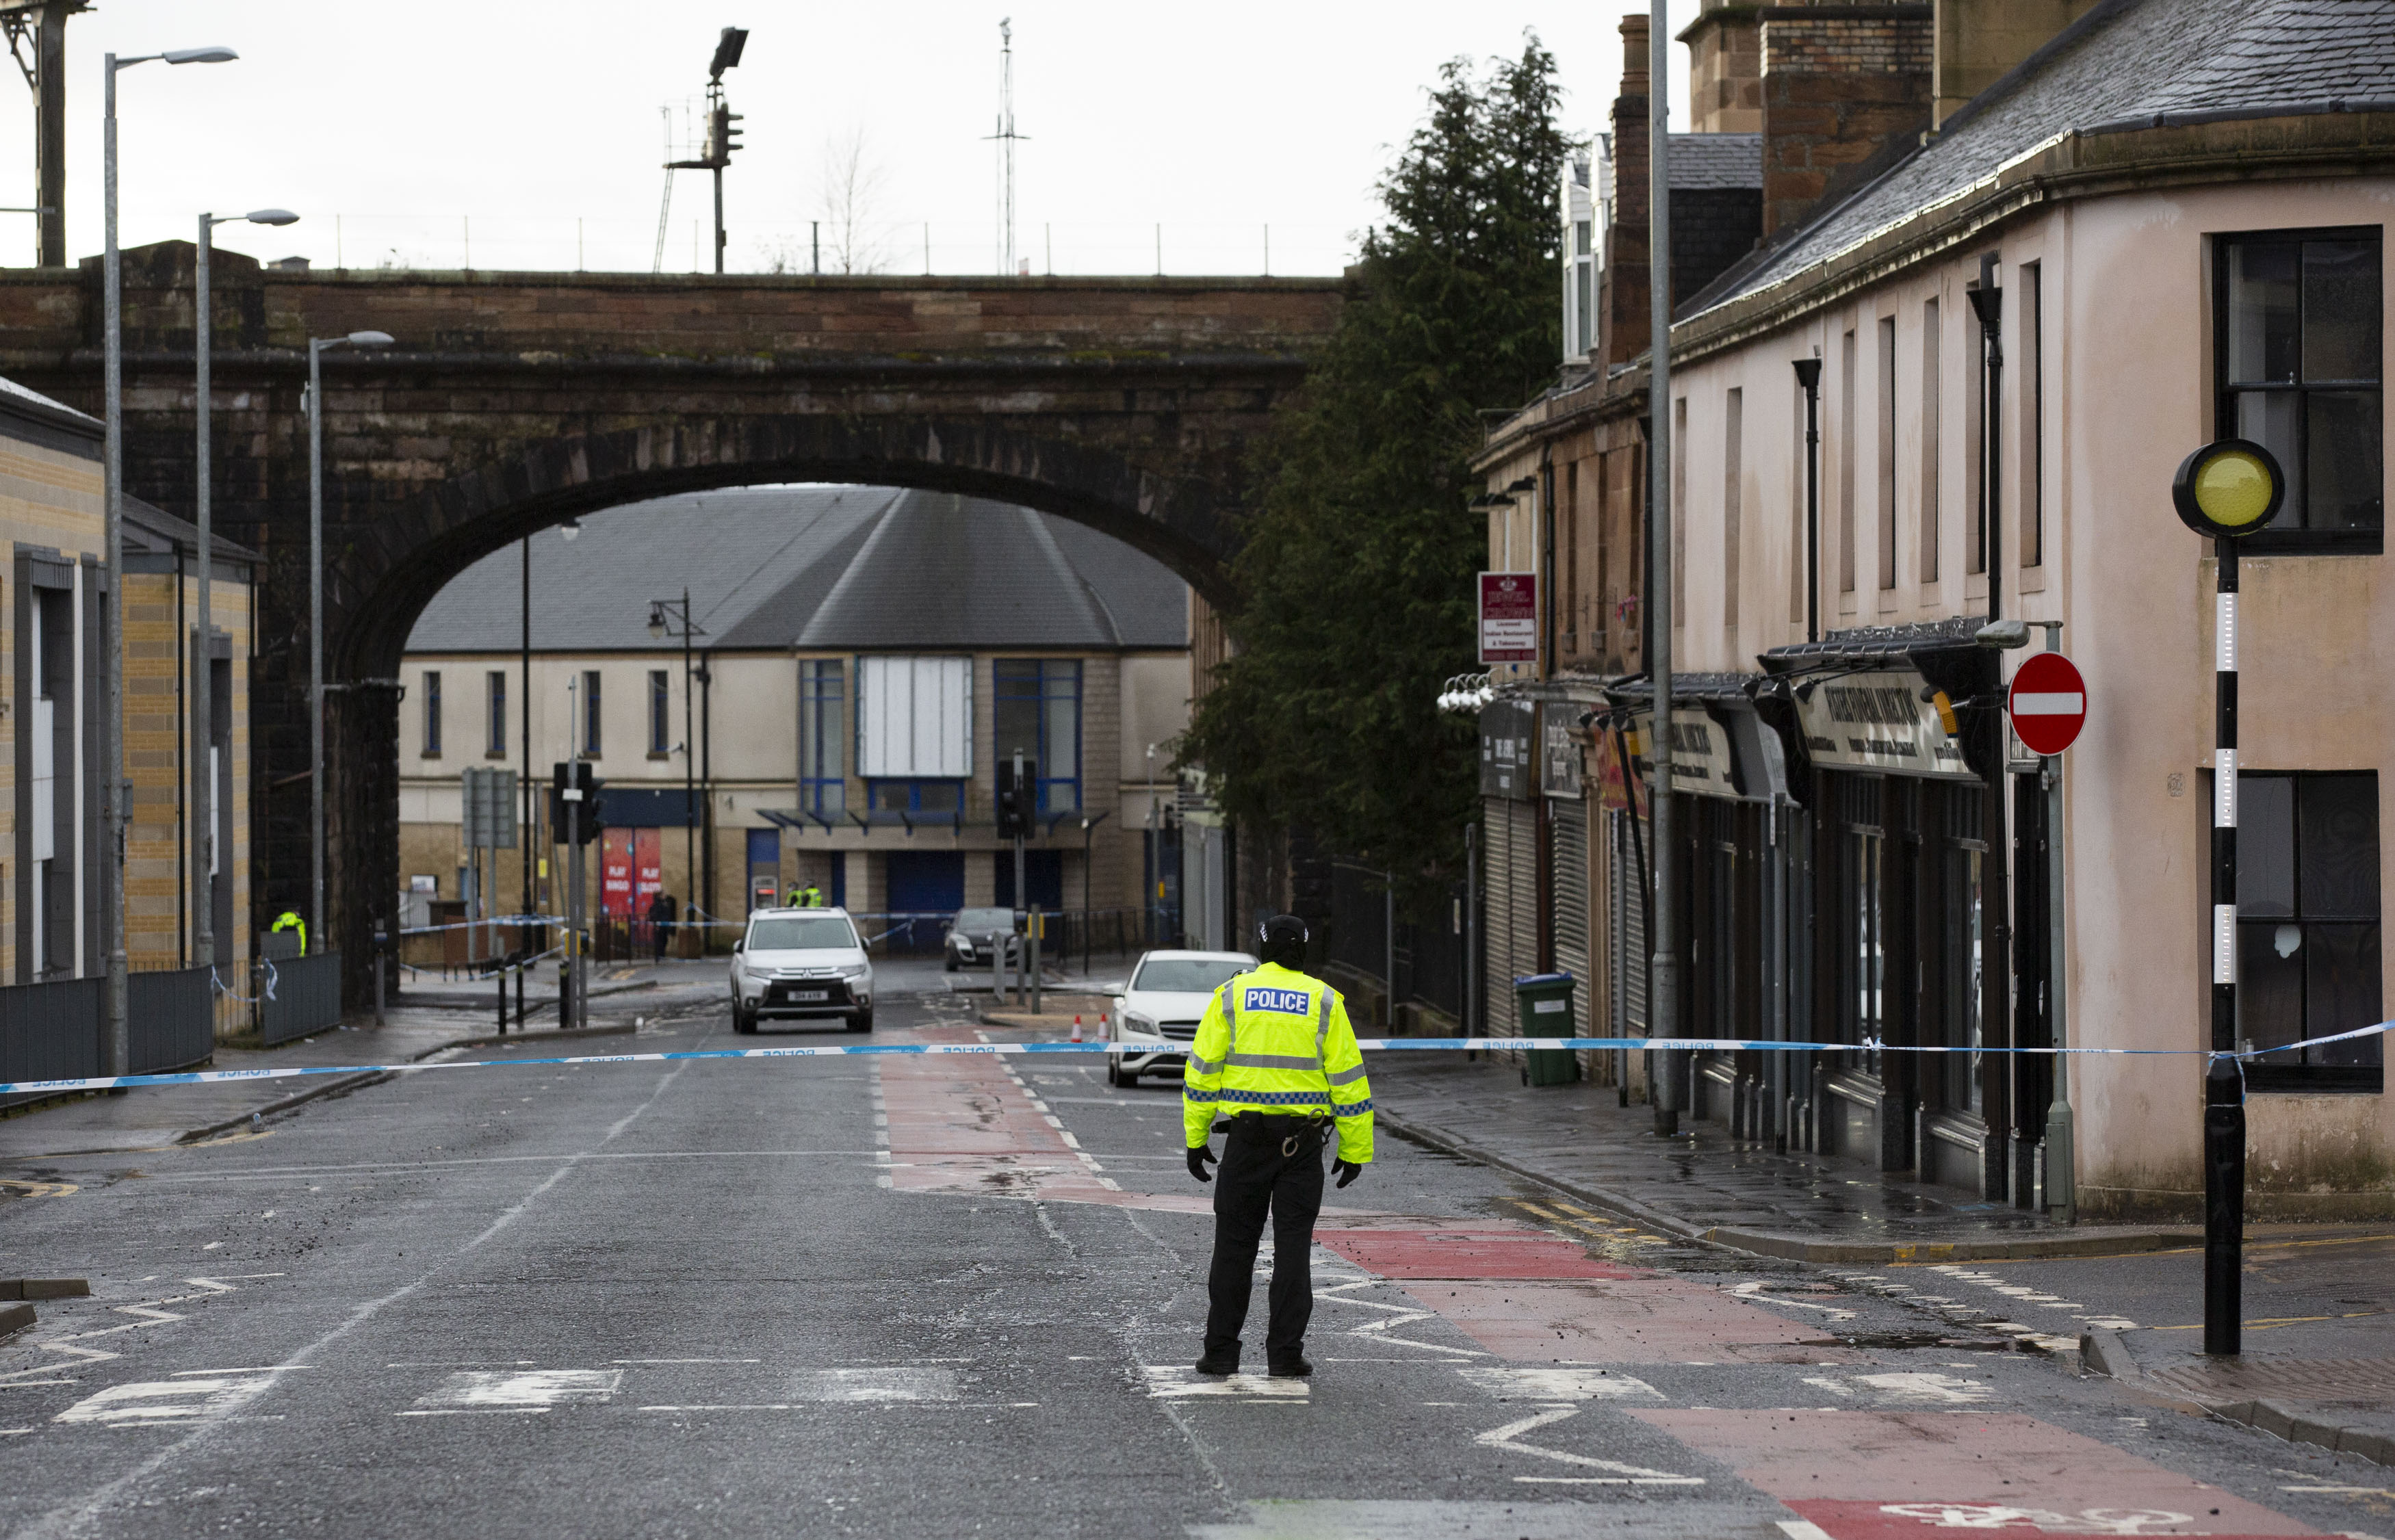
1038, 714
823, 711
915, 796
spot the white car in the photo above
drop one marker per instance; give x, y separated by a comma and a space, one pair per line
797, 964
1159, 1009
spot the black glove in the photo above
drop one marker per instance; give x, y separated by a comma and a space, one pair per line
1200, 1157
1345, 1170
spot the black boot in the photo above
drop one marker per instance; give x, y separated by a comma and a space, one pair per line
1294, 1367
1219, 1363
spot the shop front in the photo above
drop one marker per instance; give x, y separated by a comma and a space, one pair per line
1903, 890
1732, 859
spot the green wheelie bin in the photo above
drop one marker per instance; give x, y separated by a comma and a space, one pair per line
1544, 1001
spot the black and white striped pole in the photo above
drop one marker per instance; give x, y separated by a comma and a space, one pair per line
2224, 490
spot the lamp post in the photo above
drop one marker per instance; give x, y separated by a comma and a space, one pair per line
669, 617
1663, 976
116, 1044
316, 347
204, 943
2224, 491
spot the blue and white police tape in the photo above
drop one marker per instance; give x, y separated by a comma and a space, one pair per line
1369, 1045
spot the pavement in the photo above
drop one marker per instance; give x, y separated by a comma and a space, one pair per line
959, 1295
419, 1025
1703, 1184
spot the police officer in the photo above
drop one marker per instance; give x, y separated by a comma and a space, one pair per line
289, 920
1277, 1055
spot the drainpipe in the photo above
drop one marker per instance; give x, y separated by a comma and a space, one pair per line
1808, 379
1995, 1006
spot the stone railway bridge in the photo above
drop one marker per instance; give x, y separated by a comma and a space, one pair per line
513, 402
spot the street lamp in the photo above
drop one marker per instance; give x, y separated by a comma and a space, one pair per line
2224, 490
316, 347
204, 927
116, 1044
669, 617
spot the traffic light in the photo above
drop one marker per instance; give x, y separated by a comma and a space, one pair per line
1018, 798
721, 136
587, 818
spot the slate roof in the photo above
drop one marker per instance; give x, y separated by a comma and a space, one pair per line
829, 567
2122, 64
60, 410
151, 530
1700, 160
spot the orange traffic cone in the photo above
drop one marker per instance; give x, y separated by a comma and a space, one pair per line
1077, 1028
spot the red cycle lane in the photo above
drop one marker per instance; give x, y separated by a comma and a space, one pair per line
1915, 1475
1532, 1297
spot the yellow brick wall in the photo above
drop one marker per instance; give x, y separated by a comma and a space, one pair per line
51, 499
157, 700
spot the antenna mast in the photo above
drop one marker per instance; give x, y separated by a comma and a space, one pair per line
657, 261
1006, 136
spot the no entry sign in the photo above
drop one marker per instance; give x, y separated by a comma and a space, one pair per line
2048, 703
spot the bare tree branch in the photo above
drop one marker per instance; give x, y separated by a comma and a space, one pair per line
849, 198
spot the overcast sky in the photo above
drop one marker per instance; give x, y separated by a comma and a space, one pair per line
444, 129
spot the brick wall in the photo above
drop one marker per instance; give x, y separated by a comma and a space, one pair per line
1839, 88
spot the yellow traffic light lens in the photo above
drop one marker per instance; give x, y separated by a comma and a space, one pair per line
2227, 489
2233, 488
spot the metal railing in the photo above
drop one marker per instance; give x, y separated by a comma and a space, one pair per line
50, 1030
306, 999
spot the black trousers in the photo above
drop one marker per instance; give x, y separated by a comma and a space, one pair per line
1256, 1179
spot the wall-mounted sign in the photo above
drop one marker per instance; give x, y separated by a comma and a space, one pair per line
1559, 746
1703, 761
1508, 744
1879, 722
1509, 617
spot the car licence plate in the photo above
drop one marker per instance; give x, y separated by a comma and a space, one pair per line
809, 996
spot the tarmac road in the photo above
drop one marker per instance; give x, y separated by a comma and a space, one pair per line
958, 1296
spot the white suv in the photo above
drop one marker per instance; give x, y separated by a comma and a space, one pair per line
796, 964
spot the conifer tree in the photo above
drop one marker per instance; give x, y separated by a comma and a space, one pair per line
1356, 582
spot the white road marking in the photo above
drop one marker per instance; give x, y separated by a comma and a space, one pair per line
686, 1360
147, 1402
523, 1390
1176, 1382
1751, 1291
1509, 1438
1396, 1315
1942, 1390
842, 1384
1986, 1516
1803, 1529
151, 1310
1567, 1383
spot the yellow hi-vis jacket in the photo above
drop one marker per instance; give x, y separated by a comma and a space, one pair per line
1277, 1041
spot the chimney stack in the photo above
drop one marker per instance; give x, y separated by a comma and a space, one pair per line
1725, 68
1841, 83
1979, 41
1624, 310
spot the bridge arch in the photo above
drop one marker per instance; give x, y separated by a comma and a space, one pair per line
513, 402
398, 556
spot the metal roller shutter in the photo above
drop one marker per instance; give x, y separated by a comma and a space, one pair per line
1512, 906
1568, 831
1626, 929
